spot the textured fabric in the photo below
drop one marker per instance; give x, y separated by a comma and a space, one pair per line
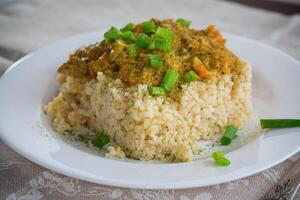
30, 24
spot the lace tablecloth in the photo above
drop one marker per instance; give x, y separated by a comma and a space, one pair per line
29, 24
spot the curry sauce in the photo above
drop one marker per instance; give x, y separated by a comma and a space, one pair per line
190, 47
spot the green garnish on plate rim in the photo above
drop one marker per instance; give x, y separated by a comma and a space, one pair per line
220, 159
279, 123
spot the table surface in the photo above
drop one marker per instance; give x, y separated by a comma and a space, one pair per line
30, 24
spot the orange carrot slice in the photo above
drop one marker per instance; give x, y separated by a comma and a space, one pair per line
199, 68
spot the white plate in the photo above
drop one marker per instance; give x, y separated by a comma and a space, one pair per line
31, 82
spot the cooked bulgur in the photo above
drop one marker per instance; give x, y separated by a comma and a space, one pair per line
109, 93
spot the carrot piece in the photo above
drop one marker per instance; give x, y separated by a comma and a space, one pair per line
201, 71
199, 68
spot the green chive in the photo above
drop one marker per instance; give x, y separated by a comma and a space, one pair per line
100, 141
191, 76
159, 91
155, 61
129, 36
112, 34
165, 34
143, 40
151, 45
128, 27
279, 123
163, 44
131, 50
169, 79
183, 22
149, 27
220, 159
229, 135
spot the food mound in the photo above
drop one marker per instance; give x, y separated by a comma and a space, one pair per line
152, 90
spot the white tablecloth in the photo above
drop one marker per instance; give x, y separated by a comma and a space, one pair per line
30, 24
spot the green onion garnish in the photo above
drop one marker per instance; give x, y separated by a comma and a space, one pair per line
229, 135
149, 27
220, 159
155, 61
112, 34
151, 45
128, 27
169, 79
131, 50
157, 91
101, 140
163, 44
183, 22
279, 123
129, 36
165, 34
191, 76
143, 40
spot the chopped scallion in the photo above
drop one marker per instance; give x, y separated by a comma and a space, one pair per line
100, 141
157, 91
149, 27
165, 34
163, 44
220, 159
169, 79
143, 40
131, 50
129, 36
151, 45
183, 22
229, 135
279, 123
112, 34
191, 76
128, 27
155, 61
